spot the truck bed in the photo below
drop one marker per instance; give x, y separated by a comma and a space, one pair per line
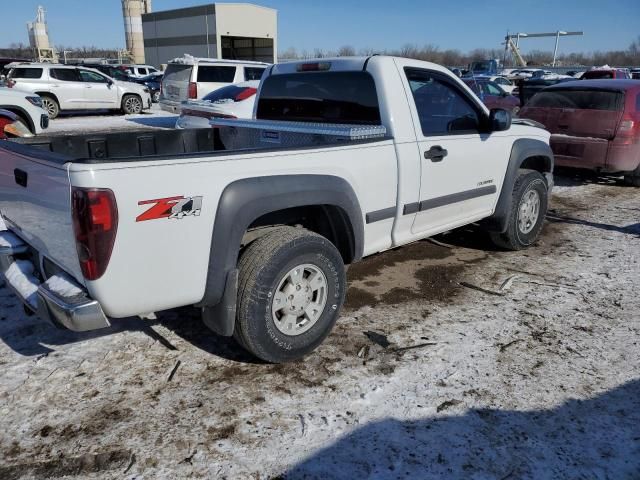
230, 136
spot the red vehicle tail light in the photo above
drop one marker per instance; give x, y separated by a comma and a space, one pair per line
314, 67
628, 130
95, 223
246, 93
193, 90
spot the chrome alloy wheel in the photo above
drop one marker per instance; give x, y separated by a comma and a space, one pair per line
528, 211
299, 300
133, 105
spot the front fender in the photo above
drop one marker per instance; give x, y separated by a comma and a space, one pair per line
522, 150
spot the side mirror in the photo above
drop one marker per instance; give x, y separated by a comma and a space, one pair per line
499, 120
110, 83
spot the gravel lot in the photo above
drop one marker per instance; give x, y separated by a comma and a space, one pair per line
451, 360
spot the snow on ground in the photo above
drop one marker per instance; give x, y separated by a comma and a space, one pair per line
425, 376
107, 121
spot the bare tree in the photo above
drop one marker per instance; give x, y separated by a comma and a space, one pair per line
346, 51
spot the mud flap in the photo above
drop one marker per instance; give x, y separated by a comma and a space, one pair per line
221, 318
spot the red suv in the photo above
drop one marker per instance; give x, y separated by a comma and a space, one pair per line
598, 73
594, 124
492, 95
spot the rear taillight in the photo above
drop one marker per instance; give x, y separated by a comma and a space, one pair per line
193, 90
95, 223
628, 130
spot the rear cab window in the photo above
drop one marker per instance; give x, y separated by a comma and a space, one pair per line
607, 100
26, 73
216, 74
320, 97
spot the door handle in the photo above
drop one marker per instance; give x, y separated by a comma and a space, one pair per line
436, 153
88, 86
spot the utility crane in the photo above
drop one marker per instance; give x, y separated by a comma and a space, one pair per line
514, 47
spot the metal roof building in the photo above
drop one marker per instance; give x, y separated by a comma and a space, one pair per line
238, 31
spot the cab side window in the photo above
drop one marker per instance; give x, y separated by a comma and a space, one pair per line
442, 108
92, 77
489, 89
66, 74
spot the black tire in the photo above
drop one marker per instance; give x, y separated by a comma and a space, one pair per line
514, 238
131, 105
633, 178
263, 265
50, 106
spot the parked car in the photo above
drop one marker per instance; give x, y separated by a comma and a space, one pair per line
346, 158
595, 124
26, 106
528, 87
64, 87
137, 71
153, 82
190, 78
635, 73
606, 72
502, 82
492, 95
234, 101
110, 71
12, 126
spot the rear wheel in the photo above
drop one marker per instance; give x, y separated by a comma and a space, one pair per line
529, 207
50, 106
291, 287
131, 104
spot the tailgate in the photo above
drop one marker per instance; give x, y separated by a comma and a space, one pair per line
175, 83
35, 202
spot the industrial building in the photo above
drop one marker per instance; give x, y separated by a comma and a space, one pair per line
39, 39
239, 31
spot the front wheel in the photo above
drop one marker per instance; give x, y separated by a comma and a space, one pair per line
131, 104
633, 178
529, 207
50, 106
156, 97
291, 287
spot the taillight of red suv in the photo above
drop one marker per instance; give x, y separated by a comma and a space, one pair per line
95, 223
193, 90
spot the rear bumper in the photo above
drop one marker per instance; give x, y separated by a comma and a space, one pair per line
74, 311
170, 106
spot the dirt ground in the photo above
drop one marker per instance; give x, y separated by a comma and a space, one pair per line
451, 360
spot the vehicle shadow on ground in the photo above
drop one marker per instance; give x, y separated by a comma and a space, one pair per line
33, 336
572, 177
633, 229
580, 439
157, 122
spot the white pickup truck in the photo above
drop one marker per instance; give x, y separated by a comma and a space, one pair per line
253, 221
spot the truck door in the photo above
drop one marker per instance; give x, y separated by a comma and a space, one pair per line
461, 168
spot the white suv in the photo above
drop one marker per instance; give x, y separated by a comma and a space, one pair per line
64, 87
138, 71
190, 78
27, 106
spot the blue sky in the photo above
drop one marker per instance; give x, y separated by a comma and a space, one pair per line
377, 24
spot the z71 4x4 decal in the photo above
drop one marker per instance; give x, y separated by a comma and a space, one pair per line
170, 207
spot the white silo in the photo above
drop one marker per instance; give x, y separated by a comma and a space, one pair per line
39, 37
132, 11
